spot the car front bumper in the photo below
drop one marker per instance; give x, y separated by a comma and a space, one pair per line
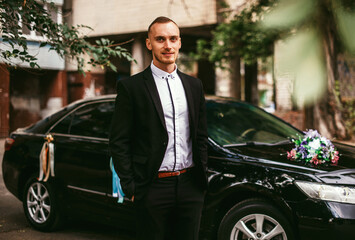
332, 221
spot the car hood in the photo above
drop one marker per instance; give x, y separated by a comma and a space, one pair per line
278, 153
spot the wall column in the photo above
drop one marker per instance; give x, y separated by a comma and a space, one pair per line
4, 101
228, 82
141, 54
55, 92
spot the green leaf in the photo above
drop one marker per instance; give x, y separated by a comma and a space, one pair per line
113, 67
104, 41
95, 56
346, 21
288, 13
301, 56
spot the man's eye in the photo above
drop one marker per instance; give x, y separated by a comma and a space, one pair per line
160, 39
174, 39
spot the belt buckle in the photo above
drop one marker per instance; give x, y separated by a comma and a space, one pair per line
178, 173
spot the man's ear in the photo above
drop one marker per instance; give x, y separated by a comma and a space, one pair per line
148, 44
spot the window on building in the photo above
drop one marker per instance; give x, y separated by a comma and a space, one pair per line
56, 16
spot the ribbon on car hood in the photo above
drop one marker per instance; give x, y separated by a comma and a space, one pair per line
46, 159
116, 184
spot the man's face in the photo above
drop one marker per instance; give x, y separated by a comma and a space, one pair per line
164, 41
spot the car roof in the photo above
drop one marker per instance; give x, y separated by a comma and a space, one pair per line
113, 96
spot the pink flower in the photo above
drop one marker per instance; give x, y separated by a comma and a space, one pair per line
335, 158
315, 160
291, 154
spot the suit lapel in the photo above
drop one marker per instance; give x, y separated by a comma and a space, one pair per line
189, 97
152, 88
150, 84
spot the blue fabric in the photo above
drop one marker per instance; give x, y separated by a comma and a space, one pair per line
116, 185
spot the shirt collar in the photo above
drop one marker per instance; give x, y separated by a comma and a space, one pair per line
162, 74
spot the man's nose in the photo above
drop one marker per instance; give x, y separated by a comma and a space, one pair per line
167, 44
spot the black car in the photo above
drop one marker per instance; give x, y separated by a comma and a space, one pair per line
254, 192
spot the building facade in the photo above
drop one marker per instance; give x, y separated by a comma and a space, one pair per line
127, 21
27, 95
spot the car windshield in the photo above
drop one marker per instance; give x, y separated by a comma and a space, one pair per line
236, 123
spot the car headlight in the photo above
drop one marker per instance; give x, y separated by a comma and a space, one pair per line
327, 192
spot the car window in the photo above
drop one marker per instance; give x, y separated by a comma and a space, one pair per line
238, 123
92, 120
43, 125
63, 125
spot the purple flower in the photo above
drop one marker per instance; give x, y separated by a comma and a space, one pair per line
314, 148
312, 134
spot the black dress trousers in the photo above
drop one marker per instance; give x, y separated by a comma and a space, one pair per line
171, 209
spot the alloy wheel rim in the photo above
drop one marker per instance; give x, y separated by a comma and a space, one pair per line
258, 227
38, 202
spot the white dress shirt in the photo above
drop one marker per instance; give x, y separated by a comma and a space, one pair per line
178, 153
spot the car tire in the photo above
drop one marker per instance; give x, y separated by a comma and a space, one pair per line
40, 206
254, 219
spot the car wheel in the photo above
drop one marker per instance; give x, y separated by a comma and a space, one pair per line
254, 219
40, 206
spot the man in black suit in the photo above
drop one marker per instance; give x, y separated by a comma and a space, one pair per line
158, 141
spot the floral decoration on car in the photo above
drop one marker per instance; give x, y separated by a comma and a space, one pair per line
313, 148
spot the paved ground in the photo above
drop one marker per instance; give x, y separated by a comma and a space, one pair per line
13, 225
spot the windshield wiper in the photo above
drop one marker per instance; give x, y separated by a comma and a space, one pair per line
252, 143
286, 141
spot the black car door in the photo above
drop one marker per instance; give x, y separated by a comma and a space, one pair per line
82, 159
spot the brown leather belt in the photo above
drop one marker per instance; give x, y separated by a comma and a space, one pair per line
172, 174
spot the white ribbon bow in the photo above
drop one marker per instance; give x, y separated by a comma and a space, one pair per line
46, 159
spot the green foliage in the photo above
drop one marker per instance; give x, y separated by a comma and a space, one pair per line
349, 114
345, 16
67, 41
300, 14
239, 36
320, 28
348, 107
288, 13
309, 22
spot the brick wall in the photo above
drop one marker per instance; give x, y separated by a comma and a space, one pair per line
4, 101
295, 118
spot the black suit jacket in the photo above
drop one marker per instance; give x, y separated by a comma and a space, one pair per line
138, 136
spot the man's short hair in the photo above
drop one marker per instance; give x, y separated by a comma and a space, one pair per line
160, 19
